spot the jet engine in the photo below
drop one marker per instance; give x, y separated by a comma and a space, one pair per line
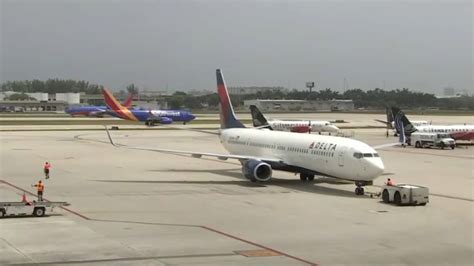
152, 120
256, 170
96, 114
165, 120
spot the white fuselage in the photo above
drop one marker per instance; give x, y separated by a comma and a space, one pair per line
445, 129
316, 126
333, 156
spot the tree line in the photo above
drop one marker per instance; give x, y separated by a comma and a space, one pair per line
372, 99
375, 99
52, 86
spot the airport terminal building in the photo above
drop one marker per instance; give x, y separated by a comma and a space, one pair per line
301, 105
39, 102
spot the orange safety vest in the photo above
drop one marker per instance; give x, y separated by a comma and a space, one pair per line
390, 183
40, 187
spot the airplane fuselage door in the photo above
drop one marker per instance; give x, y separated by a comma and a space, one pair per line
341, 153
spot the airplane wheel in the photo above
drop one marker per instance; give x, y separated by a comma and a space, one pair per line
38, 212
310, 177
397, 199
385, 196
303, 177
359, 191
452, 147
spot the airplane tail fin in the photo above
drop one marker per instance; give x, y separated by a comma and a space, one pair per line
227, 115
117, 108
402, 124
111, 101
257, 117
129, 101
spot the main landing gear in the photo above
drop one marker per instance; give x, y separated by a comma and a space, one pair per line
306, 177
150, 123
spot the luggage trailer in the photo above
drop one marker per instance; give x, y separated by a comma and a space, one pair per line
35, 208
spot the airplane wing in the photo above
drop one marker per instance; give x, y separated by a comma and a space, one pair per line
196, 154
384, 122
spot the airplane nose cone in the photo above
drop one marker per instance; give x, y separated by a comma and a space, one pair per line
191, 117
375, 168
333, 128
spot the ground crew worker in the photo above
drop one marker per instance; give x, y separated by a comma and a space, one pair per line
390, 182
46, 168
40, 189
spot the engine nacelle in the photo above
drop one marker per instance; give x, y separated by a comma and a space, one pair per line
166, 120
256, 170
96, 114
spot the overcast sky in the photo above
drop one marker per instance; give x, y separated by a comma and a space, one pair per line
423, 45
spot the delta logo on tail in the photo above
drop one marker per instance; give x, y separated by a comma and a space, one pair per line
150, 117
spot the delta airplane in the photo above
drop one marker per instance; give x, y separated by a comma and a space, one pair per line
150, 117
457, 132
262, 151
300, 126
96, 111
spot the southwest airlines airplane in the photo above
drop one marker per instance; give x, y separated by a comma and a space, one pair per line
95, 111
299, 126
457, 132
262, 151
150, 117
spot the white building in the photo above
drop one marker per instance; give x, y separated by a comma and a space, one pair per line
301, 105
252, 90
39, 96
70, 98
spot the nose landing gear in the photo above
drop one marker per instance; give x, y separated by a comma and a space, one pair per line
359, 190
360, 186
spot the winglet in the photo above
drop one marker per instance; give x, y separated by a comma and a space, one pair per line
129, 101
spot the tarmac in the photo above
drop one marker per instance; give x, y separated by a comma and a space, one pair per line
131, 207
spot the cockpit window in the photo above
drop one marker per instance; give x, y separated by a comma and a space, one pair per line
368, 155
376, 155
358, 155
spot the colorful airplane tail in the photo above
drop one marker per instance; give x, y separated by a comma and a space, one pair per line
117, 108
258, 118
227, 115
402, 124
111, 101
